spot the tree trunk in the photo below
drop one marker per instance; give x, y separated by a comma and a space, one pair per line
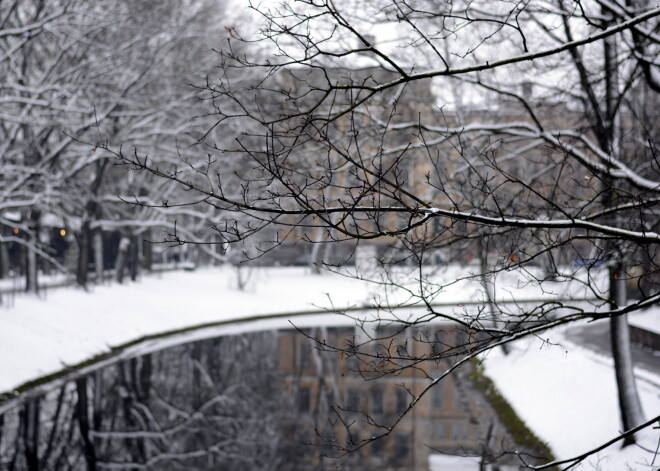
122, 258
317, 256
143, 378
242, 276
98, 396
30, 418
31, 261
550, 271
147, 252
196, 381
82, 414
134, 446
4, 260
488, 289
83, 240
135, 257
629, 404
97, 242
31, 268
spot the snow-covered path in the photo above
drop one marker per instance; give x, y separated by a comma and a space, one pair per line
565, 393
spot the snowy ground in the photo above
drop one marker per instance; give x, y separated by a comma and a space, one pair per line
565, 393
39, 335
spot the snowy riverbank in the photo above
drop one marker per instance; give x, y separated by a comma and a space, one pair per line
567, 395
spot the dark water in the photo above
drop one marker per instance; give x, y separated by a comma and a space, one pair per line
212, 404
257, 401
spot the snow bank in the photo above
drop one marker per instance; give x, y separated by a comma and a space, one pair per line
567, 396
40, 336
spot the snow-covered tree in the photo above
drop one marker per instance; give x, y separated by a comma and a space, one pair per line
77, 73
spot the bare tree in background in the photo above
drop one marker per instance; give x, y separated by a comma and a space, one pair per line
520, 133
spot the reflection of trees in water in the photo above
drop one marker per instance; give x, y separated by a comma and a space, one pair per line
42, 434
210, 405
265, 401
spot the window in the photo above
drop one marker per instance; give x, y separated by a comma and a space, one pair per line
381, 354
438, 346
377, 400
459, 431
401, 448
353, 400
401, 401
377, 447
459, 400
352, 358
462, 339
437, 430
305, 355
436, 396
304, 399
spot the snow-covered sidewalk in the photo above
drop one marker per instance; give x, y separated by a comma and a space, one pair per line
565, 393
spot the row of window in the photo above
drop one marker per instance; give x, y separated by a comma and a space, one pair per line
446, 430
374, 401
440, 342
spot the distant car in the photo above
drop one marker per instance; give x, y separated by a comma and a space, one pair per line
590, 262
